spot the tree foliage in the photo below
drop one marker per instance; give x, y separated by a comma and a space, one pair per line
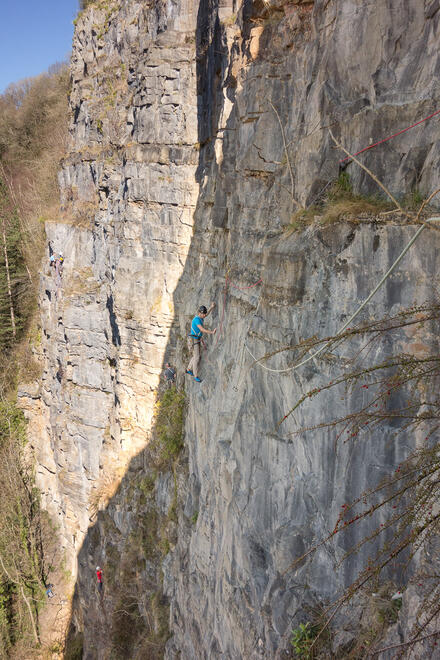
170, 422
33, 136
26, 539
14, 301
83, 4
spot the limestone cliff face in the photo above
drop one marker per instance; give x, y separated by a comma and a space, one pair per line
127, 199
194, 128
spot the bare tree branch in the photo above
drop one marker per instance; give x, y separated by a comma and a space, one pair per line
287, 156
369, 172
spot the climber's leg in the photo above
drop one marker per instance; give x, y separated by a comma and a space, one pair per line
194, 362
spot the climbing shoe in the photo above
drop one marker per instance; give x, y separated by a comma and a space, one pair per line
197, 379
189, 372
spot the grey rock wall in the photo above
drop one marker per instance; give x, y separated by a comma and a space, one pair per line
265, 494
127, 198
177, 177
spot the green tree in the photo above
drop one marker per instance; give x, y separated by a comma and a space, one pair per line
13, 276
26, 536
33, 134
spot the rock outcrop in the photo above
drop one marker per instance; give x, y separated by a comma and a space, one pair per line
127, 205
196, 131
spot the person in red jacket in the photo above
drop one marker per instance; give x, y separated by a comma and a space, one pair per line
99, 576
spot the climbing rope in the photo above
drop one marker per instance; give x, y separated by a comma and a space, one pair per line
225, 291
437, 112
353, 316
321, 192
244, 288
220, 327
241, 361
228, 282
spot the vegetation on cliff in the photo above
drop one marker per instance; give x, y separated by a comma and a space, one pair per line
136, 607
140, 620
33, 130
33, 134
26, 540
398, 517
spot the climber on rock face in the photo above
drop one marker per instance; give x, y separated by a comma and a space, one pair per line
99, 576
49, 592
195, 339
169, 375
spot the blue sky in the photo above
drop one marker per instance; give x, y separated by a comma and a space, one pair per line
33, 35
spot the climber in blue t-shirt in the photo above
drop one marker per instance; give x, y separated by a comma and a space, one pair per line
195, 338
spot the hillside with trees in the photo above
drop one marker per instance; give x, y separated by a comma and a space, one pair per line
33, 133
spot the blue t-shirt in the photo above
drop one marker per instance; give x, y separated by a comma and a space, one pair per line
195, 332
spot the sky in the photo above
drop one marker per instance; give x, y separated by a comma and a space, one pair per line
33, 35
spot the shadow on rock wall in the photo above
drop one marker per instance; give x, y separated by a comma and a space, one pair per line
214, 528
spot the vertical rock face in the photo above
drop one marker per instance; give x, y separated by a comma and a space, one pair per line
265, 494
195, 127
128, 192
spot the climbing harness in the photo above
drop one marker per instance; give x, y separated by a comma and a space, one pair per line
437, 112
353, 316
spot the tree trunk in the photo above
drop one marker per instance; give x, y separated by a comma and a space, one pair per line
26, 600
14, 199
34, 627
11, 306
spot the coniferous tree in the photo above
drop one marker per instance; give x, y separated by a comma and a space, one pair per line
12, 273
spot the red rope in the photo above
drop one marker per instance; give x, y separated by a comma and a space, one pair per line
391, 136
246, 287
223, 312
225, 291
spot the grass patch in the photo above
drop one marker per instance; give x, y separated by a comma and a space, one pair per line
305, 635
341, 203
413, 200
170, 409
302, 639
164, 546
230, 20
380, 613
148, 483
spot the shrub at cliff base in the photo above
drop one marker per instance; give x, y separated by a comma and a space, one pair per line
26, 538
74, 647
